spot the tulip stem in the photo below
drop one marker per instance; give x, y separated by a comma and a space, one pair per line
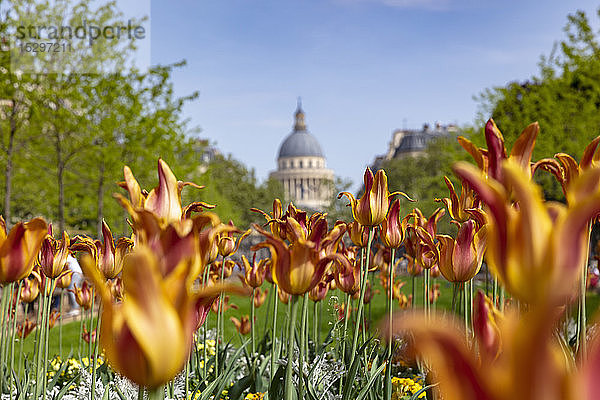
471, 284
346, 317
466, 308
60, 298
390, 334
219, 318
40, 335
289, 386
426, 292
205, 361
252, 321
47, 337
303, 348
187, 377
156, 394
91, 322
454, 293
12, 344
3, 337
81, 312
274, 332
93, 363
582, 334
315, 324
320, 322
22, 339
363, 285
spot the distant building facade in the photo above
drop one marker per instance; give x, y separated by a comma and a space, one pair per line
413, 142
301, 167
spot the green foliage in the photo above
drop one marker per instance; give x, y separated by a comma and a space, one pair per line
234, 189
564, 99
337, 210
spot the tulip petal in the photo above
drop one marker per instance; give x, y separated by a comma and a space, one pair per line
164, 200
443, 345
152, 320
590, 154
485, 328
591, 371
496, 150
19, 250
570, 167
493, 195
473, 150
133, 187
523, 148
571, 236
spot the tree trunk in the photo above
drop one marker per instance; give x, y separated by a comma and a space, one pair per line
60, 164
61, 200
100, 198
9, 167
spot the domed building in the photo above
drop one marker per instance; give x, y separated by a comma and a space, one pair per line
301, 168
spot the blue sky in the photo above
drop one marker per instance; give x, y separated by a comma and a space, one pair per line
362, 67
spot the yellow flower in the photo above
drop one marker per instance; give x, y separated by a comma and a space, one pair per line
255, 396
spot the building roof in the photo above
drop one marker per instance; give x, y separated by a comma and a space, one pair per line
417, 140
300, 142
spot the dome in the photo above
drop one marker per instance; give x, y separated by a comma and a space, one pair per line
300, 143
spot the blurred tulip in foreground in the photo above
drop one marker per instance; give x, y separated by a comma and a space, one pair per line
537, 248
20, 248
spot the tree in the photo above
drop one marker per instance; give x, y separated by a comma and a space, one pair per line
564, 99
235, 190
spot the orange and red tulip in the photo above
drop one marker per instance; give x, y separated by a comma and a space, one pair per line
298, 267
83, 295
227, 244
458, 207
393, 228
254, 273
372, 208
260, 297
30, 289
461, 258
25, 328
53, 254
242, 325
20, 248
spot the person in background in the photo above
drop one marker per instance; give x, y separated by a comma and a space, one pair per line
76, 280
